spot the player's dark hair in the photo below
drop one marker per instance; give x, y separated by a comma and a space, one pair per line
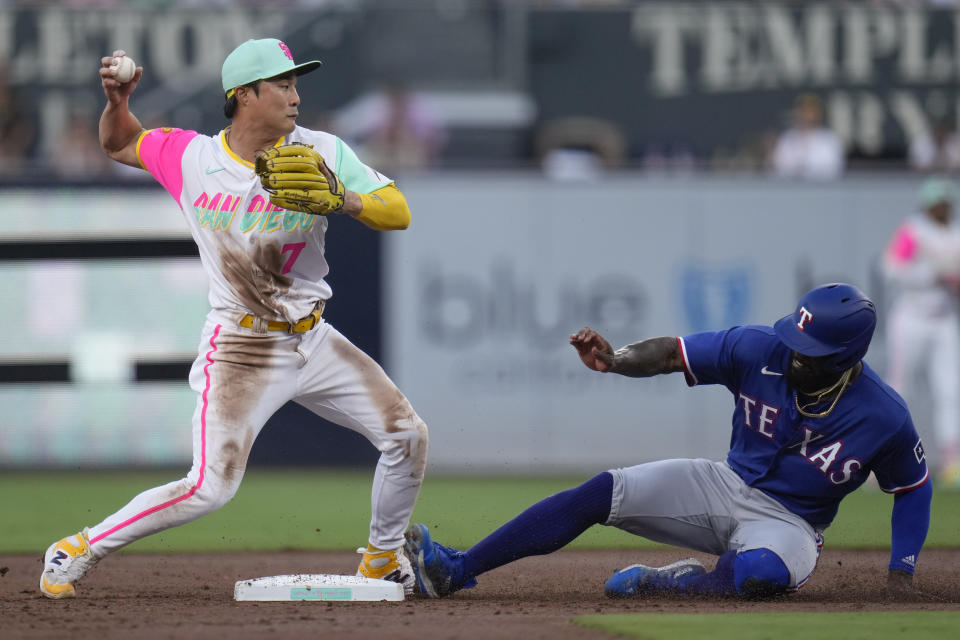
230, 106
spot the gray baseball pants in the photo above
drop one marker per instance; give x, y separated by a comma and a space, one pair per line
704, 505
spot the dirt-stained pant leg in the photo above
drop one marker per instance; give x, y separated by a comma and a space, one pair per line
239, 377
342, 384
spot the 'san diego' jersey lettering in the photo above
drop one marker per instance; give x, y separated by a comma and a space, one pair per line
259, 258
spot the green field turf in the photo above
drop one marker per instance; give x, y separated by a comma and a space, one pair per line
331, 510
779, 626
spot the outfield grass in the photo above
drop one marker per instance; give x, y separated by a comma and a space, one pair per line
331, 510
782, 626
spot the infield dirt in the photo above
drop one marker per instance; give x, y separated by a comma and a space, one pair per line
190, 596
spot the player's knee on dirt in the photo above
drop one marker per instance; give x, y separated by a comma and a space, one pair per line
760, 573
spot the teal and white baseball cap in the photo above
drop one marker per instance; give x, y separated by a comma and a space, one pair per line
258, 60
936, 190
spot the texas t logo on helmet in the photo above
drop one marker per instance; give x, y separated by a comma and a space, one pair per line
846, 318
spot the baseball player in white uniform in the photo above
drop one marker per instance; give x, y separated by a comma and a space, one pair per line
265, 341
922, 264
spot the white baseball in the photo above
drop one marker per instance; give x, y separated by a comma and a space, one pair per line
123, 69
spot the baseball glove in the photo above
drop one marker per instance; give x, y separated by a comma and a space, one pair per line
298, 179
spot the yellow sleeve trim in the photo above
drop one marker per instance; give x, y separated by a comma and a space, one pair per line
139, 142
384, 209
232, 154
226, 147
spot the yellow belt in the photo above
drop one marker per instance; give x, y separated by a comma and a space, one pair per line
300, 326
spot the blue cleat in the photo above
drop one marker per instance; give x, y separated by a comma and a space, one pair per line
438, 569
638, 579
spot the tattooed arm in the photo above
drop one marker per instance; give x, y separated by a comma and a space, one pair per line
638, 360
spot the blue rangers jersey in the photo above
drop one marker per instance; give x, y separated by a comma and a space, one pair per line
806, 464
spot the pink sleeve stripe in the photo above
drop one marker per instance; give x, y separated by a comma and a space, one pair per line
203, 451
904, 245
160, 151
910, 487
687, 371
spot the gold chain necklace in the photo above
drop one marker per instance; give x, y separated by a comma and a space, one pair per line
842, 384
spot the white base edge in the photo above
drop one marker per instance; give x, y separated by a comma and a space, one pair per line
319, 587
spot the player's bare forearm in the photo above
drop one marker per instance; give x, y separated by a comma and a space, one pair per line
119, 132
384, 209
638, 360
648, 358
352, 204
119, 128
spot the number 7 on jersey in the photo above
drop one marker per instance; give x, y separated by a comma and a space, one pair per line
294, 248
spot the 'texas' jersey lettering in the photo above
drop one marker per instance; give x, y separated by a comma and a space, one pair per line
766, 416
825, 456
807, 464
762, 418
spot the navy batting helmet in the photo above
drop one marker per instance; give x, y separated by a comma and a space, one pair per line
834, 322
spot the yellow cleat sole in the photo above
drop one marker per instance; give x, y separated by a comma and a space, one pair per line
57, 591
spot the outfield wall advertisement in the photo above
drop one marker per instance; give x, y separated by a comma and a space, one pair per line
486, 286
662, 73
478, 299
885, 71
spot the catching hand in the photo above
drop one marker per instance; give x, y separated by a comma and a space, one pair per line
298, 179
593, 349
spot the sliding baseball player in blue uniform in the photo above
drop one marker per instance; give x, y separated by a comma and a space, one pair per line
811, 420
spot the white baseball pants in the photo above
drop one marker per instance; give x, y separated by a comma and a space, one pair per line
930, 345
242, 376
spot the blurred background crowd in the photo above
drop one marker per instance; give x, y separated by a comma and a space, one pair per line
740, 152
572, 87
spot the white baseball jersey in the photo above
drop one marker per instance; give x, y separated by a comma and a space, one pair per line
269, 262
258, 257
920, 253
923, 329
